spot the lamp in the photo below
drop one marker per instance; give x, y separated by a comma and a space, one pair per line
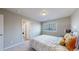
44, 13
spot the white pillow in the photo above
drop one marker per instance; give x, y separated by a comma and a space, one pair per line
75, 34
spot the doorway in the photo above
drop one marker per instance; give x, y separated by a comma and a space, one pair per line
25, 29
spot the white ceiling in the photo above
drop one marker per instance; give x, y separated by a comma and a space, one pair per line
34, 13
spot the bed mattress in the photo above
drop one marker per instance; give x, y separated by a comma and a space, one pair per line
47, 43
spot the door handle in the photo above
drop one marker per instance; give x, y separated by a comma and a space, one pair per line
0, 34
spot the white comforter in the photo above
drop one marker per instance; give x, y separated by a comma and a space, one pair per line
47, 43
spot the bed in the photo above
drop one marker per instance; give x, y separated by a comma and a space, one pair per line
47, 43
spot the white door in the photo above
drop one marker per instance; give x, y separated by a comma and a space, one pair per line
1, 32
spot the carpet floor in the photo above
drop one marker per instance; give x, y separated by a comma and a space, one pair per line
22, 47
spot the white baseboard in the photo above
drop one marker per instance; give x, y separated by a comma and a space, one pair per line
13, 46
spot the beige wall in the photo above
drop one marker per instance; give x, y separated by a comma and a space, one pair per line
35, 29
62, 25
75, 21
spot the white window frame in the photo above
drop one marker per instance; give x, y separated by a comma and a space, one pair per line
48, 28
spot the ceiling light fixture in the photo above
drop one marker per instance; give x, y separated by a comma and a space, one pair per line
44, 13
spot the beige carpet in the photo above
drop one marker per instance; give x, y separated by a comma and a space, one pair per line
22, 47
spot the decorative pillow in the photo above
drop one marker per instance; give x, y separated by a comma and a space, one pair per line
71, 45
67, 37
62, 42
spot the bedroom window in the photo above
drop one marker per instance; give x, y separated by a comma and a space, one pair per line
50, 27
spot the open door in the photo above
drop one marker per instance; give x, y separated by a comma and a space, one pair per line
26, 29
1, 32
23, 29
